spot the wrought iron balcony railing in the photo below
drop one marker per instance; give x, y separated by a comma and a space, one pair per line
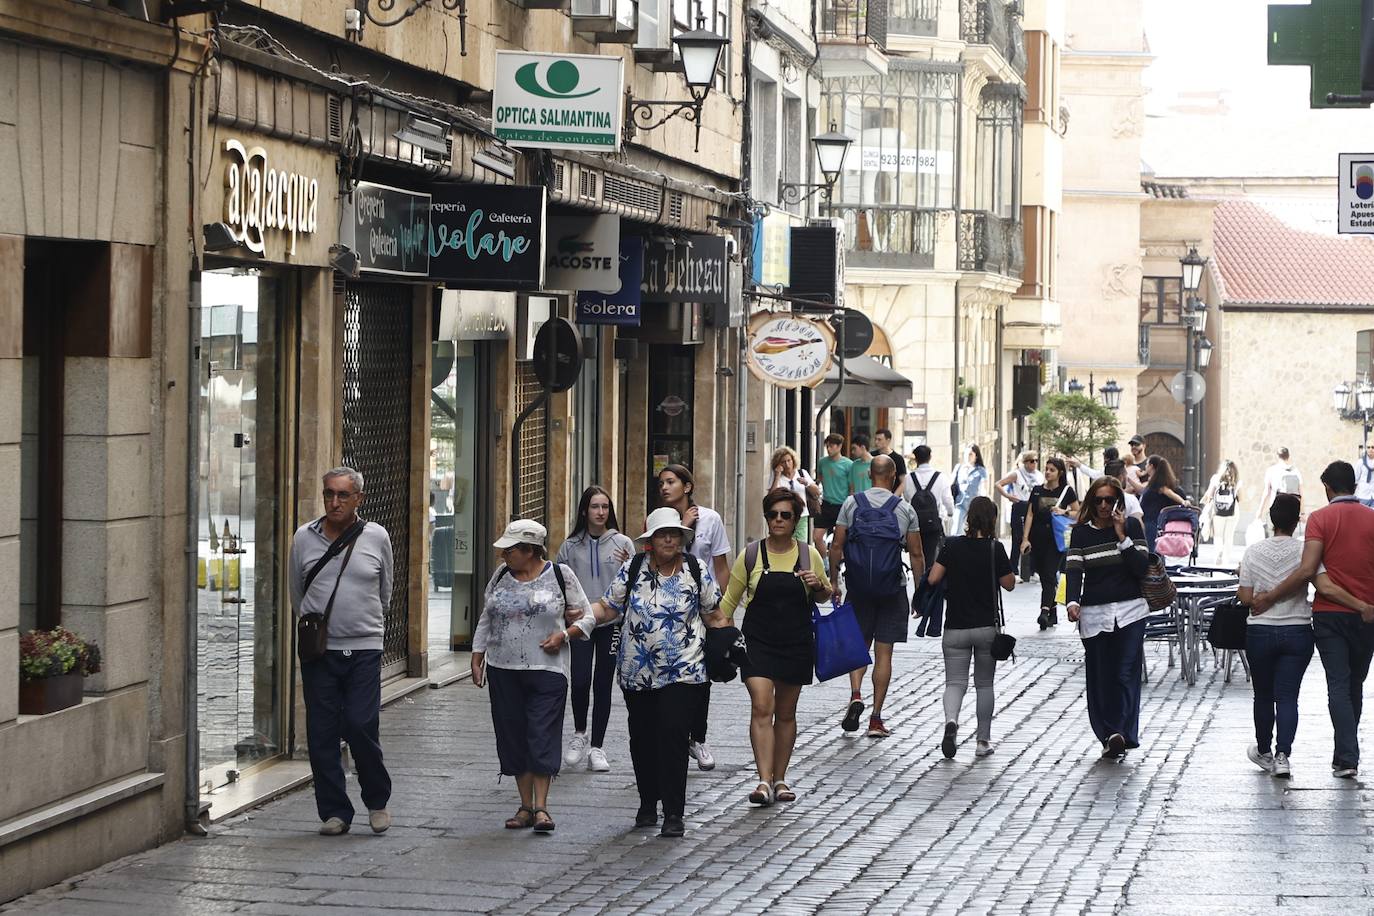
996, 24
900, 238
991, 243
913, 17
857, 21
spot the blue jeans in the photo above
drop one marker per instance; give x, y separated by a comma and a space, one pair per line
343, 702
1114, 663
1344, 643
1278, 659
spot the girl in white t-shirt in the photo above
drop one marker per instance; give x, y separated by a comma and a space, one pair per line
789, 475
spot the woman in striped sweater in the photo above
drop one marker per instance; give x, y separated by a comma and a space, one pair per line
1106, 561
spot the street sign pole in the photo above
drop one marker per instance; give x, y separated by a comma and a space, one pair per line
834, 396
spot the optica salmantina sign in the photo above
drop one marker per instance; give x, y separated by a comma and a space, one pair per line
558, 101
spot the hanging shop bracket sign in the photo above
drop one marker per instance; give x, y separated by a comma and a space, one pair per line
621, 307
487, 236
789, 351
583, 253
388, 228
558, 101
694, 271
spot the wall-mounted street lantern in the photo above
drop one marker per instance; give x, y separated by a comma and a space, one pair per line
1204, 353
700, 51
1111, 394
831, 149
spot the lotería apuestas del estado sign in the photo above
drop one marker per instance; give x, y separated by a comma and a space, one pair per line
558, 101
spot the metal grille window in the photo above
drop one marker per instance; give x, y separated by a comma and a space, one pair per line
533, 453
998, 151
376, 430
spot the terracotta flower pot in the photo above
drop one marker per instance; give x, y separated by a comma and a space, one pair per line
49, 694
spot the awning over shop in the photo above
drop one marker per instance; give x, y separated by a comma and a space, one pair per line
867, 383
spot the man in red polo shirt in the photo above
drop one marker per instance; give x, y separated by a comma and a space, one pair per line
1339, 555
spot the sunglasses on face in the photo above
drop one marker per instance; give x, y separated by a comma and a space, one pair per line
1105, 500
779, 514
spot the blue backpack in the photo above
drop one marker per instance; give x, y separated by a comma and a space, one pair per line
873, 548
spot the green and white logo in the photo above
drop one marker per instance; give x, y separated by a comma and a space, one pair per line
560, 81
558, 101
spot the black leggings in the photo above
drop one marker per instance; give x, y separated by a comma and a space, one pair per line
1049, 560
593, 671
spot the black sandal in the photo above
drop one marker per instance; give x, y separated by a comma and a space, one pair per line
544, 826
520, 822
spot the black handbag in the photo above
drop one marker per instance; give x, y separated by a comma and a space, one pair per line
1229, 624
312, 629
1003, 644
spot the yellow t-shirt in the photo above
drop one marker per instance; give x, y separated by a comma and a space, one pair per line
741, 591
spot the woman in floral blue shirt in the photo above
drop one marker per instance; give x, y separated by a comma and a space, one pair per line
666, 599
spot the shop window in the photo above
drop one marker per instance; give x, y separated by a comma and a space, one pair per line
1039, 225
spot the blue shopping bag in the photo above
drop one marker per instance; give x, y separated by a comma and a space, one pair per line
1062, 524
840, 646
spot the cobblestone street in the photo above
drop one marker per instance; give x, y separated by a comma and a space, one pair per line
1184, 825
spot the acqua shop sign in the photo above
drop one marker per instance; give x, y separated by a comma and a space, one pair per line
558, 101
487, 236
259, 198
389, 229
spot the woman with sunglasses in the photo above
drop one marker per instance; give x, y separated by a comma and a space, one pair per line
777, 588
1107, 559
1016, 488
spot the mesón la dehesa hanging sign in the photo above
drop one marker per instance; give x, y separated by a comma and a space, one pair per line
789, 351
487, 236
388, 228
692, 272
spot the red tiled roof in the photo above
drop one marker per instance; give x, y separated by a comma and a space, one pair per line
1261, 260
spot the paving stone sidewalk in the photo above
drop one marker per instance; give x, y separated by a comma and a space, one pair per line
1184, 825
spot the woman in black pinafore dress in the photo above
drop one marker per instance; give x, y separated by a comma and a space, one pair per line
777, 580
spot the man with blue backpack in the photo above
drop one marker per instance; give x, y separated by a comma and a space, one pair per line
874, 527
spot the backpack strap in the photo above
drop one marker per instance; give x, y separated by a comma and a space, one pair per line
562, 586
636, 567
751, 556
502, 572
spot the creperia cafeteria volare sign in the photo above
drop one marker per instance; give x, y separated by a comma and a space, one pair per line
259, 199
558, 101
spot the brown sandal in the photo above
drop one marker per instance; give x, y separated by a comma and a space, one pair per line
524, 818
542, 826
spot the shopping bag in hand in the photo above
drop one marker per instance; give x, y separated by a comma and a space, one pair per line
840, 645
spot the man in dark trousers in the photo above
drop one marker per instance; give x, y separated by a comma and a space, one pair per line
341, 567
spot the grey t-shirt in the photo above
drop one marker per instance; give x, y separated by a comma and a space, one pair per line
518, 616
877, 497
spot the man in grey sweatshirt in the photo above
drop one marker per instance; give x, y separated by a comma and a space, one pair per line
343, 688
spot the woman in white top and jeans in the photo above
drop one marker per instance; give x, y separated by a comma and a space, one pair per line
788, 474
1278, 642
1223, 493
520, 647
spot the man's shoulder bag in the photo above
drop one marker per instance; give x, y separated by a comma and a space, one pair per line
312, 629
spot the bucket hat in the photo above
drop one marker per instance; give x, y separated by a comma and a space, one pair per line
660, 519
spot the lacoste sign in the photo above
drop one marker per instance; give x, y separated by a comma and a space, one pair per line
583, 253
558, 101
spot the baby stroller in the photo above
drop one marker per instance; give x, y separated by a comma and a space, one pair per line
1178, 532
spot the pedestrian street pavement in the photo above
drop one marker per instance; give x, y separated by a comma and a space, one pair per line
1185, 825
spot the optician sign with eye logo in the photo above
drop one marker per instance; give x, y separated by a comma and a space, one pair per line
558, 101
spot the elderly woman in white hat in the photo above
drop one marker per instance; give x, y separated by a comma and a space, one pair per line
666, 599
520, 648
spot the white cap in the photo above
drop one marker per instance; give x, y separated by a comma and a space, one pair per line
522, 531
660, 519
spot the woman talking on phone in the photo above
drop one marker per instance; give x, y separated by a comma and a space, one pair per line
1107, 559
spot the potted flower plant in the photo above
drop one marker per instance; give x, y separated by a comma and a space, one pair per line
52, 664
966, 395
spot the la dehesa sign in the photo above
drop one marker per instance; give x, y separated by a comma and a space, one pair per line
558, 101
789, 351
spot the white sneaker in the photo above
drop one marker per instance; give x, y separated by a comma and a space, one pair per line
1263, 761
702, 755
577, 750
596, 761
982, 749
1282, 769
